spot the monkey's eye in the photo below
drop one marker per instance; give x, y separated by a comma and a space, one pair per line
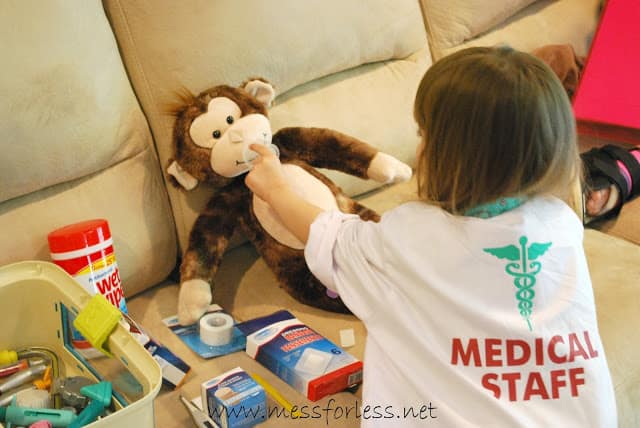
216, 134
229, 120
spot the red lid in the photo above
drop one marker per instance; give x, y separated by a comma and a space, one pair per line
79, 235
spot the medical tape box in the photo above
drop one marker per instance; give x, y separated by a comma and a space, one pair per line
174, 369
309, 362
233, 399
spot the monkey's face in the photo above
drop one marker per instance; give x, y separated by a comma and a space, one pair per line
213, 134
227, 132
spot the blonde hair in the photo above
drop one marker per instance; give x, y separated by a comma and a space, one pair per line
495, 122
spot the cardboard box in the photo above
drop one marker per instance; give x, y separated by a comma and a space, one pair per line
174, 369
309, 362
233, 399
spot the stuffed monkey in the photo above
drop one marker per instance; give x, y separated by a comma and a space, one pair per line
211, 136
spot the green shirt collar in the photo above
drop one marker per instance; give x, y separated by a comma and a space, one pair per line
497, 207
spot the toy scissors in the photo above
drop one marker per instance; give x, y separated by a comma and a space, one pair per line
200, 418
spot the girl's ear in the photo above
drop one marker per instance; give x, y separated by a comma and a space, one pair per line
261, 90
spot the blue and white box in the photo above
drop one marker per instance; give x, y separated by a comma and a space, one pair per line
234, 399
297, 354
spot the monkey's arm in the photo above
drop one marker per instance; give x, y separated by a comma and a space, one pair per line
327, 148
208, 241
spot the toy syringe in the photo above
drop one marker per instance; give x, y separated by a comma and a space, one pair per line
25, 416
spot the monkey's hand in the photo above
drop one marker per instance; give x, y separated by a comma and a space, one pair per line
385, 168
193, 301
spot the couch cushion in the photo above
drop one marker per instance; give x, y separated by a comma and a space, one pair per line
451, 22
163, 43
130, 196
373, 103
542, 23
66, 104
202, 43
75, 142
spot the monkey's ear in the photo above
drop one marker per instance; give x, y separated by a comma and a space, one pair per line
261, 90
185, 179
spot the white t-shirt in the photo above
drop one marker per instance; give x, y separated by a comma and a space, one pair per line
461, 332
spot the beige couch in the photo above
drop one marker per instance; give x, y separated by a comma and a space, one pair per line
85, 134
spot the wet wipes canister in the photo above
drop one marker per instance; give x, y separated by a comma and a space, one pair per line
85, 251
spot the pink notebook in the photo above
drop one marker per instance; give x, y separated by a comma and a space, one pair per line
607, 101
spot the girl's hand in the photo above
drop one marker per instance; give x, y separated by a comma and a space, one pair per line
268, 181
266, 178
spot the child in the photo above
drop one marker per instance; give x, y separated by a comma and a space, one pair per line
477, 299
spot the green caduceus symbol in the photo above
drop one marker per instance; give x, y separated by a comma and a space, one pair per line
524, 270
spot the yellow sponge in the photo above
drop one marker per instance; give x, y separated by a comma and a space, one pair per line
96, 322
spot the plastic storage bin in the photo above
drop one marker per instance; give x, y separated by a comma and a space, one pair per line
33, 298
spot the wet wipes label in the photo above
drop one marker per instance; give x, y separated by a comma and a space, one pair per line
98, 273
98, 276
104, 279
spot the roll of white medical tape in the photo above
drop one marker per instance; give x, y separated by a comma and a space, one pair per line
216, 329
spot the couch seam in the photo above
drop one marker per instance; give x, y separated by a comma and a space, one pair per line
148, 92
435, 52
